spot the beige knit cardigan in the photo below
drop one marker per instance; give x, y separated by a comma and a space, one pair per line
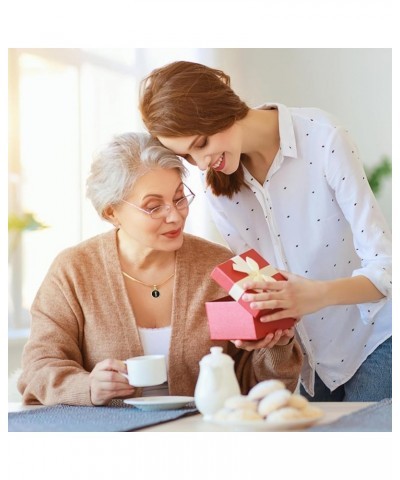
82, 315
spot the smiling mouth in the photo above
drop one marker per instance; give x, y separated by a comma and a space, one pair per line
173, 233
220, 163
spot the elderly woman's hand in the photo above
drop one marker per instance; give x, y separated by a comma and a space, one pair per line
106, 382
280, 337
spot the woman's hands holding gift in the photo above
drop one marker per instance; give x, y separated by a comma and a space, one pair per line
280, 337
296, 297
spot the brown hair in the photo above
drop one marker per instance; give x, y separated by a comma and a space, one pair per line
185, 98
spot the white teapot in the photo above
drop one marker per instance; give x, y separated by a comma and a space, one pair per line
217, 382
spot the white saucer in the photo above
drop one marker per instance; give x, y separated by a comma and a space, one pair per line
159, 403
263, 426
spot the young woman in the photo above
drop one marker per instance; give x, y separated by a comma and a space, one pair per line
288, 182
138, 289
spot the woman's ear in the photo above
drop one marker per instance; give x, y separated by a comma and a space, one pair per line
111, 216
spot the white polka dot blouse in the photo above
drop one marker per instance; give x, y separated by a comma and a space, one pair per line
315, 215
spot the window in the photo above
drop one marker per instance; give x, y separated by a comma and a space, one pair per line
64, 103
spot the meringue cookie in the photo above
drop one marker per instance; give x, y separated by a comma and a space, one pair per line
311, 412
264, 388
243, 414
283, 415
273, 401
240, 402
297, 401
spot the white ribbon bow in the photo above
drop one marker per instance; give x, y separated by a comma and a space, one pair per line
253, 271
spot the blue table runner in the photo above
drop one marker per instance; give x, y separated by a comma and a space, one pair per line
375, 418
118, 417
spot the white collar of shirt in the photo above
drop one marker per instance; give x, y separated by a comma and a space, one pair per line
286, 130
288, 146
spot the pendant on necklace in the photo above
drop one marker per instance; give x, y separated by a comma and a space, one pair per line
155, 293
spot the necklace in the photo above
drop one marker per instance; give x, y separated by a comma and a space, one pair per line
155, 293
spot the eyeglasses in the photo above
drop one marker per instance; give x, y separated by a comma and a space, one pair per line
162, 211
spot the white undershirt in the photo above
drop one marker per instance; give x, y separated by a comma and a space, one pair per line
156, 341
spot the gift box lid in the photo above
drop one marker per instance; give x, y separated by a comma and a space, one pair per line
233, 273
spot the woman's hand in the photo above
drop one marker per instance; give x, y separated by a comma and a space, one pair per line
106, 382
296, 297
280, 337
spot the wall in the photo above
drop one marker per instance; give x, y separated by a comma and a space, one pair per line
353, 84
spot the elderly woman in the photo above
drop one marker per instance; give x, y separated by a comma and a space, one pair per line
135, 290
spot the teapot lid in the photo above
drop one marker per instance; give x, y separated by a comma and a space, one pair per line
216, 358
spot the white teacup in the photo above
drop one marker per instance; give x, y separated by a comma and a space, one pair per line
146, 370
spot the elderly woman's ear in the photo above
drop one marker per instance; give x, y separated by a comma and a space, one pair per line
109, 214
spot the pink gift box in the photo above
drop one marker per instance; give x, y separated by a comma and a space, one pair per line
230, 318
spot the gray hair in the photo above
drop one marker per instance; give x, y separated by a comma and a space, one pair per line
119, 164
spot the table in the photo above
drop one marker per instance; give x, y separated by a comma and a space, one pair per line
332, 411
195, 423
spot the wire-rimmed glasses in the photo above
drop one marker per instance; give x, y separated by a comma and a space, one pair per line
162, 211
